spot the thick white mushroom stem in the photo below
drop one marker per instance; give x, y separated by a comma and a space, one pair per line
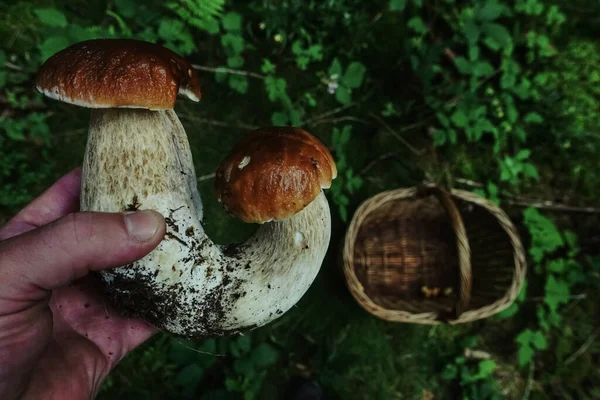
139, 159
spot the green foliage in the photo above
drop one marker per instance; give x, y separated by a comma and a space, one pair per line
245, 364
347, 182
342, 82
202, 14
474, 377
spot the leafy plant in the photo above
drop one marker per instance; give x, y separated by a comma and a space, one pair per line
474, 377
341, 82
347, 182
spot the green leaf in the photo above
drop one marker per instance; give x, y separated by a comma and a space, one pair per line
526, 351
189, 376
52, 45
342, 94
530, 171
499, 33
279, 119
539, 341
483, 69
335, 70
450, 372
354, 75
471, 31
523, 154
182, 353
473, 53
126, 8
557, 265
490, 10
397, 5
264, 355
508, 312
51, 17
417, 25
232, 22
244, 366
170, 29
275, 87
235, 61
238, 83
486, 368
240, 346
210, 25
267, 67
544, 234
464, 66
556, 293
533, 118
234, 42
439, 137
459, 118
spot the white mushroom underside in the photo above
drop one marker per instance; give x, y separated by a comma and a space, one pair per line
137, 159
57, 93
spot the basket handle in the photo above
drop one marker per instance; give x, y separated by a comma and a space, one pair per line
464, 249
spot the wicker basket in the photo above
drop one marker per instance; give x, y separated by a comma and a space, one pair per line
426, 255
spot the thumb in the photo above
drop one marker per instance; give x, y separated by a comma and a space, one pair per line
66, 249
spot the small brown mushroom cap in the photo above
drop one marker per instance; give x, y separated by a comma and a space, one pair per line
273, 173
105, 73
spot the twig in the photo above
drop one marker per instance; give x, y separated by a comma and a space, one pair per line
206, 177
453, 101
374, 162
477, 354
581, 296
217, 122
14, 67
584, 346
529, 385
328, 114
336, 120
397, 135
550, 206
525, 202
229, 71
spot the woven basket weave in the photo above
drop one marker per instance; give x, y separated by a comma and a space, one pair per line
426, 255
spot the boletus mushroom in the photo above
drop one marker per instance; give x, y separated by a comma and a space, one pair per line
138, 157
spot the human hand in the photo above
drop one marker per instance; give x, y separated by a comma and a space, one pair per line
59, 339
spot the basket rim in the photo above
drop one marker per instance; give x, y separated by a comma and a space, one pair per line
374, 202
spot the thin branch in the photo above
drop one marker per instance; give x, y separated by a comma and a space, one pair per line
397, 135
328, 114
229, 71
217, 122
206, 177
377, 160
526, 202
550, 206
589, 341
580, 296
529, 385
14, 67
336, 120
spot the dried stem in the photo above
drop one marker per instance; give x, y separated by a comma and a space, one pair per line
589, 341
397, 135
229, 71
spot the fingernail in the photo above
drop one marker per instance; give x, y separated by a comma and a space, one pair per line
142, 225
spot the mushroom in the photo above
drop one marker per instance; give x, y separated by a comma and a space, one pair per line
141, 159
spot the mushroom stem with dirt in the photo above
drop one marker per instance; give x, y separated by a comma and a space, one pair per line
138, 157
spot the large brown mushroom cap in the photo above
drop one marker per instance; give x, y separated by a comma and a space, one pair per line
106, 73
273, 173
